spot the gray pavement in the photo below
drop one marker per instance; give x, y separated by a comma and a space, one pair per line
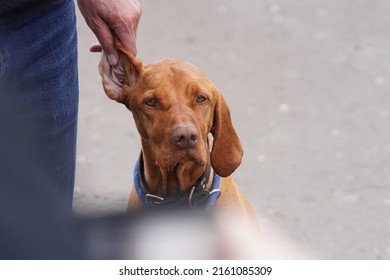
308, 84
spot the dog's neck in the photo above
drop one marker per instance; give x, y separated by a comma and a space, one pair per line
173, 181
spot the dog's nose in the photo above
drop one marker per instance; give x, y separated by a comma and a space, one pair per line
185, 136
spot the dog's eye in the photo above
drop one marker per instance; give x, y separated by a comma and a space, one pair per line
200, 99
151, 102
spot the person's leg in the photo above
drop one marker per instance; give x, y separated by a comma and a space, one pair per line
39, 94
38, 122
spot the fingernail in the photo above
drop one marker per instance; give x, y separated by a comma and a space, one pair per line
112, 60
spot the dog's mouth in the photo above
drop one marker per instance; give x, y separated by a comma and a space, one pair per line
187, 156
169, 156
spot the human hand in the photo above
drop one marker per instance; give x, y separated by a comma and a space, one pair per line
108, 18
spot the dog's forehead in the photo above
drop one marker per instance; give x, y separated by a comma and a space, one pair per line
172, 71
173, 65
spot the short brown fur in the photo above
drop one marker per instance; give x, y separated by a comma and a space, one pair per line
178, 89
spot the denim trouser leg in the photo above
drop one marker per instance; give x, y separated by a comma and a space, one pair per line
39, 103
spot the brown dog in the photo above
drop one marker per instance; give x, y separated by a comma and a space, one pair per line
175, 108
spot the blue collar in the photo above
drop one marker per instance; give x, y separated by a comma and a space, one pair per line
197, 195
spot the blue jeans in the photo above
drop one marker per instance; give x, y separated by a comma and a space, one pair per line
39, 102
38, 125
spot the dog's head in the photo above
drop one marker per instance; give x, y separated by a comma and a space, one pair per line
175, 107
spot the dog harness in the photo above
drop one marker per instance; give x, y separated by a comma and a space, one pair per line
196, 196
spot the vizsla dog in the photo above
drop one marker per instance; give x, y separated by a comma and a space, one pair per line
189, 145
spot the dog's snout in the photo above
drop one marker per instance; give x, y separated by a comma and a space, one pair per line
185, 136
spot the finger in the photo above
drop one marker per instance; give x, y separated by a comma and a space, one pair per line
104, 35
95, 48
129, 41
127, 32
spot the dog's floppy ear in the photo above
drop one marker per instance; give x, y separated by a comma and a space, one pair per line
227, 151
119, 81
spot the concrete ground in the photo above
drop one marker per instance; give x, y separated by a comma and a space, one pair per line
308, 85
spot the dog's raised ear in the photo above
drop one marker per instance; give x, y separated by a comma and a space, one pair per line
227, 151
119, 81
